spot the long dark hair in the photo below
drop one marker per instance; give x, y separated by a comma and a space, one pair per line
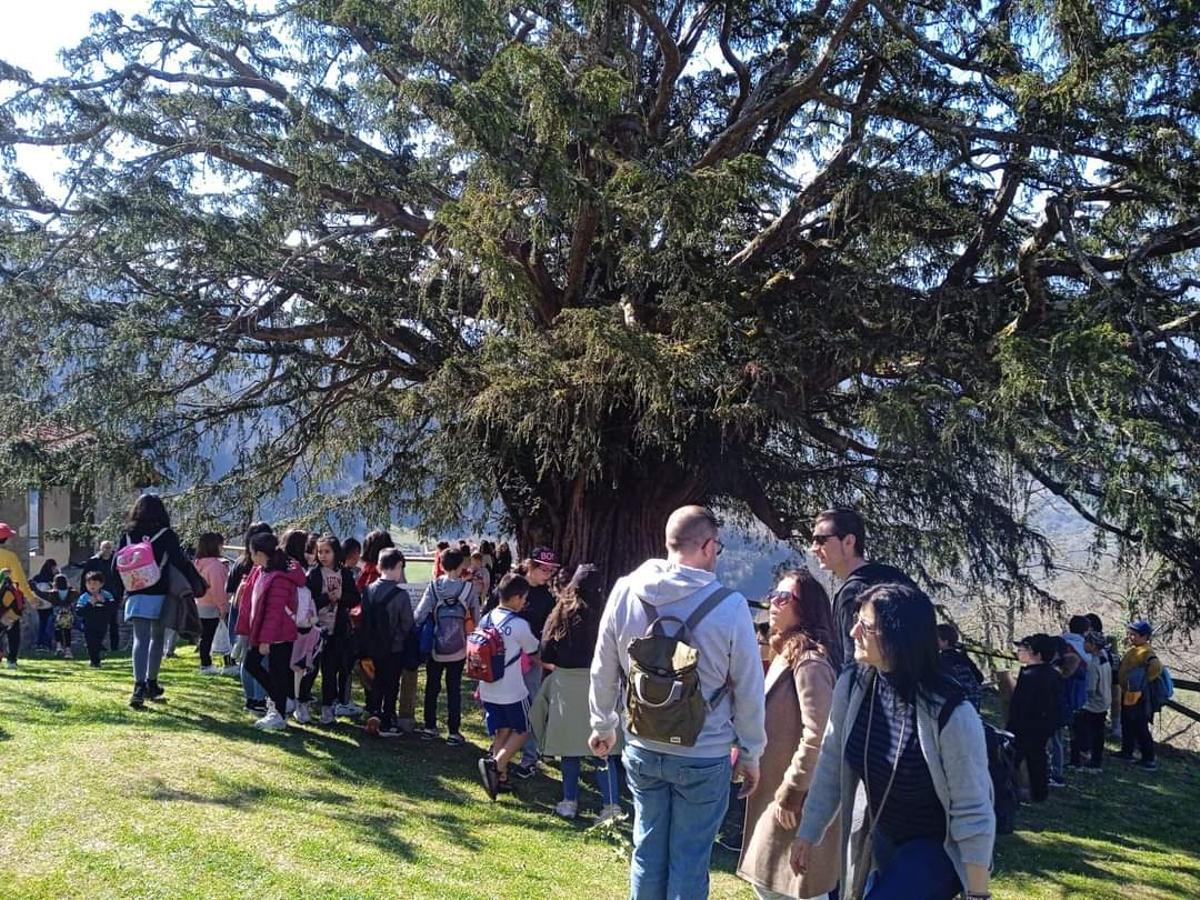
45, 573
148, 517
579, 605
277, 559
295, 542
814, 625
332, 541
373, 543
256, 528
907, 631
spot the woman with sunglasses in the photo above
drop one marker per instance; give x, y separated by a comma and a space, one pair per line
799, 691
901, 729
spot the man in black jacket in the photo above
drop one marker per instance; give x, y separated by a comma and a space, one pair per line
838, 543
105, 563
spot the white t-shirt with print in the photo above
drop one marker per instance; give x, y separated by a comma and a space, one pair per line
517, 637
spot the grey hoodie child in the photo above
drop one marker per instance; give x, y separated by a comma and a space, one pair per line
728, 655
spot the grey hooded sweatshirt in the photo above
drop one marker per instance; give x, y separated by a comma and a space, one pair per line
729, 655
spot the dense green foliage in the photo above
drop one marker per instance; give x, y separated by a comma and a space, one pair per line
582, 262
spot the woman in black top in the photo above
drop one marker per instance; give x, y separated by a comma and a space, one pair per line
568, 643
148, 520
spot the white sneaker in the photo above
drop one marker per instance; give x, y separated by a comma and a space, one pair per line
210, 670
302, 714
327, 716
347, 710
567, 808
67, 654
272, 721
291, 706
231, 670
610, 813
10, 664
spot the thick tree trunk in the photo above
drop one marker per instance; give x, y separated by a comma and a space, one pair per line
615, 525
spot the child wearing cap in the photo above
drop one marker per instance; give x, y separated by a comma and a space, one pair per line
1033, 714
539, 571
1139, 667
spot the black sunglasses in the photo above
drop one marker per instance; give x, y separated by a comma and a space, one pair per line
820, 539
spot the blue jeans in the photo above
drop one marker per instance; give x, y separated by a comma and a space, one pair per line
45, 631
915, 870
250, 687
533, 683
678, 804
607, 779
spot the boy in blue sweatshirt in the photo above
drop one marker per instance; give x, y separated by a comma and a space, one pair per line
93, 607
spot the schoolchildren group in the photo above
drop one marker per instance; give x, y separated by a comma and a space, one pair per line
862, 694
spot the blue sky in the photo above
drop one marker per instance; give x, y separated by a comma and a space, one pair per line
33, 33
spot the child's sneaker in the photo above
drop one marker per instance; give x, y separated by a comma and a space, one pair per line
303, 715
272, 721
327, 716
568, 809
456, 740
209, 670
10, 664
523, 771
1057, 783
67, 654
391, 731
489, 775
610, 813
427, 734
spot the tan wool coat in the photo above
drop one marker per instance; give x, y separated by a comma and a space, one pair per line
797, 705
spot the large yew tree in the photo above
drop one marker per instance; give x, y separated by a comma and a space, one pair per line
583, 262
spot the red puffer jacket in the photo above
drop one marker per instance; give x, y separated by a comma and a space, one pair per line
272, 616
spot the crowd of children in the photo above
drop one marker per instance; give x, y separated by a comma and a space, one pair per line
300, 607
1066, 690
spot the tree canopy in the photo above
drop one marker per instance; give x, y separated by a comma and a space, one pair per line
582, 262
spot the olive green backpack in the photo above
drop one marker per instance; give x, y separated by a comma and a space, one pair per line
662, 699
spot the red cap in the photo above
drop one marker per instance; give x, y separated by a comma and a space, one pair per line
6, 531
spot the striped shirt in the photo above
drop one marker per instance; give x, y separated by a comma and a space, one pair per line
913, 809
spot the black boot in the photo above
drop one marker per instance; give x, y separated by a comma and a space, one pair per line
154, 690
138, 700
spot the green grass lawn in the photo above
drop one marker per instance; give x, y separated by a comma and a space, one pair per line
186, 799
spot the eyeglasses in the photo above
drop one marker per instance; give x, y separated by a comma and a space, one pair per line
867, 627
820, 539
780, 598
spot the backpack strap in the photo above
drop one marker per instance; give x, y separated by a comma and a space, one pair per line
947, 711
498, 625
710, 603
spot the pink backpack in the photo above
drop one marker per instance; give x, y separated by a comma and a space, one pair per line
136, 564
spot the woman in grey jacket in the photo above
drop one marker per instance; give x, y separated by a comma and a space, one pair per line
899, 729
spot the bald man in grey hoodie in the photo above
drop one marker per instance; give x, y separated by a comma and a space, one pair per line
680, 793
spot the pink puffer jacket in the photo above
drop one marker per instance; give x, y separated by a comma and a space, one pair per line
272, 618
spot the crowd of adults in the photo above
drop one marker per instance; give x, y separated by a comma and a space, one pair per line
852, 726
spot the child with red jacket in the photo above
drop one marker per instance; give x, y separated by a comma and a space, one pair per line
270, 625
